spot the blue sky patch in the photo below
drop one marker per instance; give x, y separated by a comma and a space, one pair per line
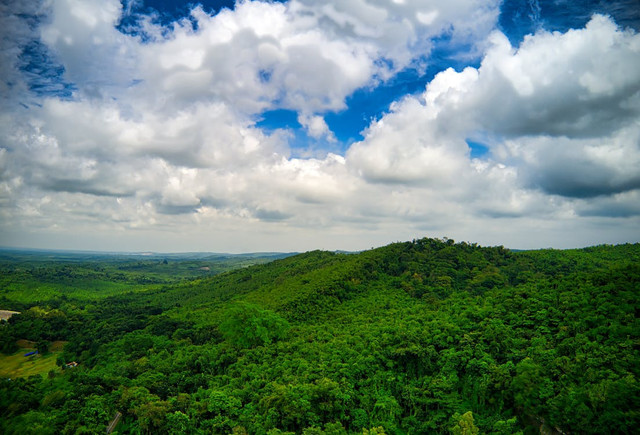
301, 144
519, 18
279, 118
367, 104
43, 74
166, 12
478, 150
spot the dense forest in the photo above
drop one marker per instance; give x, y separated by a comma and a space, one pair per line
428, 336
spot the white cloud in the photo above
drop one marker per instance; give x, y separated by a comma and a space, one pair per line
160, 137
563, 134
316, 127
581, 83
96, 57
580, 168
553, 136
305, 56
18, 21
402, 148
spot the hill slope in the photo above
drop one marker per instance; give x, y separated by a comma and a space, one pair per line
426, 336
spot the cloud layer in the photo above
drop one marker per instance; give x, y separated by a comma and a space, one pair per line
158, 146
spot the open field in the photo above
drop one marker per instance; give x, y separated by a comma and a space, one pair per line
20, 366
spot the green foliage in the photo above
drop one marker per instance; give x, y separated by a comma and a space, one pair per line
179, 423
7, 341
374, 431
247, 325
427, 336
465, 425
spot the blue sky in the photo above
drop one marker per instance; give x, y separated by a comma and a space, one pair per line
293, 125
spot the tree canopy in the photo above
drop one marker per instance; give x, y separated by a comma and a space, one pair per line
427, 336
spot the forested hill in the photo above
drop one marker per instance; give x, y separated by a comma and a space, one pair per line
427, 336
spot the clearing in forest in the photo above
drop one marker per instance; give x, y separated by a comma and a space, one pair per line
6, 314
20, 366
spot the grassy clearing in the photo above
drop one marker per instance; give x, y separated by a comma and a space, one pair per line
20, 366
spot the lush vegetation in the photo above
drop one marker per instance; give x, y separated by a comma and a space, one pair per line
427, 336
48, 276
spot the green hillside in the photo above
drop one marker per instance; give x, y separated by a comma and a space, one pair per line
28, 277
420, 337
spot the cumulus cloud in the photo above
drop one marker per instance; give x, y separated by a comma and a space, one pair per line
19, 32
82, 35
316, 127
159, 136
305, 56
579, 168
552, 110
583, 83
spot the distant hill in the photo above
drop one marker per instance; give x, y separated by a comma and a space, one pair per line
28, 276
427, 336
17, 254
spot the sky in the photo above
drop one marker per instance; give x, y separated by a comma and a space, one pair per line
252, 126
